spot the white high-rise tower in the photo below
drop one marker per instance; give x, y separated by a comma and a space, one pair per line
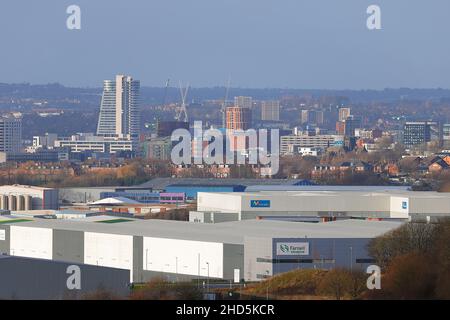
119, 110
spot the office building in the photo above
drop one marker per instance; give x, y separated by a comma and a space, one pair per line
446, 135
238, 118
243, 102
289, 144
416, 133
100, 144
314, 117
119, 110
46, 141
158, 148
344, 113
270, 110
10, 134
40, 155
351, 124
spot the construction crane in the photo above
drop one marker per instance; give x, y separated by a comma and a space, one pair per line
158, 119
224, 105
182, 114
165, 92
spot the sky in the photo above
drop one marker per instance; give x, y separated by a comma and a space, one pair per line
302, 44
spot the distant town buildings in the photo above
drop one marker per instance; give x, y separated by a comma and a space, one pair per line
416, 133
243, 102
270, 110
344, 113
119, 111
10, 134
311, 117
238, 118
290, 144
158, 148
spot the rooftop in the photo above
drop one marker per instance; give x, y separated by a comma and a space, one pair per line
162, 183
226, 232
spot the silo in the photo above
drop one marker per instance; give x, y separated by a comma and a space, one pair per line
28, 203
12, 202
3, 202
20, 203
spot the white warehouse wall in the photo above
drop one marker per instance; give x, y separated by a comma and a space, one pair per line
183, 257
220, 202
31, 242
109, 250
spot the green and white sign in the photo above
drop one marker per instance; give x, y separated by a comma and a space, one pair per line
292, 248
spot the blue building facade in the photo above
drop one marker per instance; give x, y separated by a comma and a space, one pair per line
191, 191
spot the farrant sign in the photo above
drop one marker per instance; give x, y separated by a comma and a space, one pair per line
2, 235
292, 248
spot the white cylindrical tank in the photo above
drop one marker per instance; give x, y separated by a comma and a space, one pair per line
20, 203
28, 203
3, 202
12, 202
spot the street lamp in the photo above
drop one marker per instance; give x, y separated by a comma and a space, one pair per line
207, 280
176, 267
351, 259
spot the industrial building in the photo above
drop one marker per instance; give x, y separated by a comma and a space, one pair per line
38, 279
381, 204
20, 198
241, 250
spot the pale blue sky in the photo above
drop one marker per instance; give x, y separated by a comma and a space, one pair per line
259, 43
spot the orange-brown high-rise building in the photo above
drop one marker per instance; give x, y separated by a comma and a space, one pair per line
238, 118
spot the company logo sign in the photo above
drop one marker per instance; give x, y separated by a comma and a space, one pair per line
292, 248
404, 205
260, 203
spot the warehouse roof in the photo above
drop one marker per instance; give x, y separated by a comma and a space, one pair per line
337, 193
162, 183
274, 187
226, 232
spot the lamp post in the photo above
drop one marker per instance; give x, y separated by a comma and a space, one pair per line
176, 268
351, 259
207, 280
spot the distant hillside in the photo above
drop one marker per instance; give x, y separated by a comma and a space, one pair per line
155, 95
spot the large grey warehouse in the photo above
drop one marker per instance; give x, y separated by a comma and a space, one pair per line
249, 249
374, 204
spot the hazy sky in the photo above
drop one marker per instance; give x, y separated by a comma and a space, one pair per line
259, 43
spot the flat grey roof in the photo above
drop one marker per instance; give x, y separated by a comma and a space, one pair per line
335, 193
162, 183
226, 232
274, 187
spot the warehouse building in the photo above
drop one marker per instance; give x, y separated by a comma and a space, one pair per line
325, 205
20, 198
180, 250
28, 278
